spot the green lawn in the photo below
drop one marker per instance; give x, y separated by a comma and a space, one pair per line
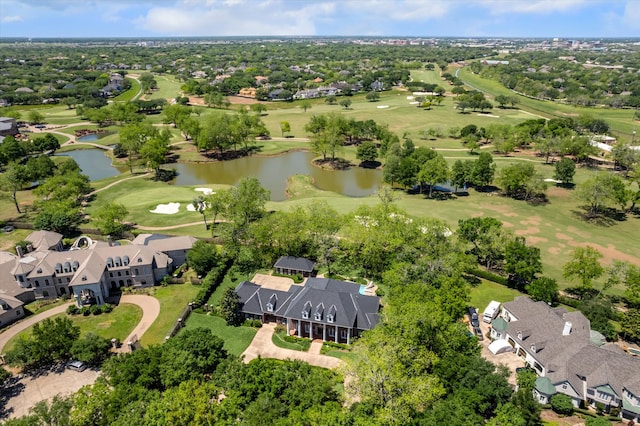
278, 339
117, 323
168, 88
487, 291
129, 94
621, 120
173, 300
236, 339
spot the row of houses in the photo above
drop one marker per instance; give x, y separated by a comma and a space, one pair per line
569, 357
88, 275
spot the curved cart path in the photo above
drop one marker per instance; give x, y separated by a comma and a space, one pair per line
150, 310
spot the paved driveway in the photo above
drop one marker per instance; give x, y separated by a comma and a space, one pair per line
273, 283
17, 398
509, 359
263, 346
24, 393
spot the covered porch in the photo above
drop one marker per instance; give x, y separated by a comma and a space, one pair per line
325, 332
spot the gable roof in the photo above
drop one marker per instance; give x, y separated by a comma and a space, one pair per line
296, 263
340, 299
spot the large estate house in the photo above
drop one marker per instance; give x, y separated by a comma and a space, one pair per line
322, 308
569, 357
90, 273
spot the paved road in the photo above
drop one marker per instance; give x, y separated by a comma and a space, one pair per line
263, 346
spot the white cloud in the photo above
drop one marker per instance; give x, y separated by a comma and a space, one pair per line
400, 10
532, 6
236, 17
632, 14
14, 18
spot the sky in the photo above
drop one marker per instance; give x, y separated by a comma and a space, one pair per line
414, 18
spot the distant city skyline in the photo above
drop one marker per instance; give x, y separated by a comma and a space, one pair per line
399, 18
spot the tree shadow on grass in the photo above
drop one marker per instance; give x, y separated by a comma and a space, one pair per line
604, 217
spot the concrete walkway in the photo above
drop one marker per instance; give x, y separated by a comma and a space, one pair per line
263, 346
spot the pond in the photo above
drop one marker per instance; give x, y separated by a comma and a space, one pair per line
273, 172
91, 137
93, 163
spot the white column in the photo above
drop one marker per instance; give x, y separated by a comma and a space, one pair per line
348, 334
287, 326
336, 337
299, 329
324, 332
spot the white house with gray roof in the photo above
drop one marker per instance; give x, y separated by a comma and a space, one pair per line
322, 308
563, 350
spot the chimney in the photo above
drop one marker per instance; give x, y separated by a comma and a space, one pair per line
567, 329
19, 251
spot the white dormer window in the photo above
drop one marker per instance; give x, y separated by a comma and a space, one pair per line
329, 318
305, 314
269, 307
318, 316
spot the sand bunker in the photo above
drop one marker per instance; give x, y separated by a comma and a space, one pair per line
409, 98
170, 208
414, 103
488, 115
383, 106
206, 191
553, 180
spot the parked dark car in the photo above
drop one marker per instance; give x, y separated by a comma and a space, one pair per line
473, 317
478, 333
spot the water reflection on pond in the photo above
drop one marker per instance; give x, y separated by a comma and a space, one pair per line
93, 163
273, 172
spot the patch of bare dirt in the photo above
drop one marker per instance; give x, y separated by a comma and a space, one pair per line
558, 192
196, 100
554, 250
477, 214
609, 253
532, 220
504, 210
507, 224
239, 100
532, 230
536, 240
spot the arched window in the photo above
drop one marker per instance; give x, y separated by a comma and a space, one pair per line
75, 265
118, 261
109, 262
125, 260
67, 267
58, 268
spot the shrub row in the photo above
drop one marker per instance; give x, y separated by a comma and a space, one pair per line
490, 276
210, 282
252, 323
93, 309
337, 345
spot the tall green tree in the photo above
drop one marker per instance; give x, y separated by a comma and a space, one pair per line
110, 217
14, 179
565, 169
434, 171
521, 262
584, 266
483, 170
